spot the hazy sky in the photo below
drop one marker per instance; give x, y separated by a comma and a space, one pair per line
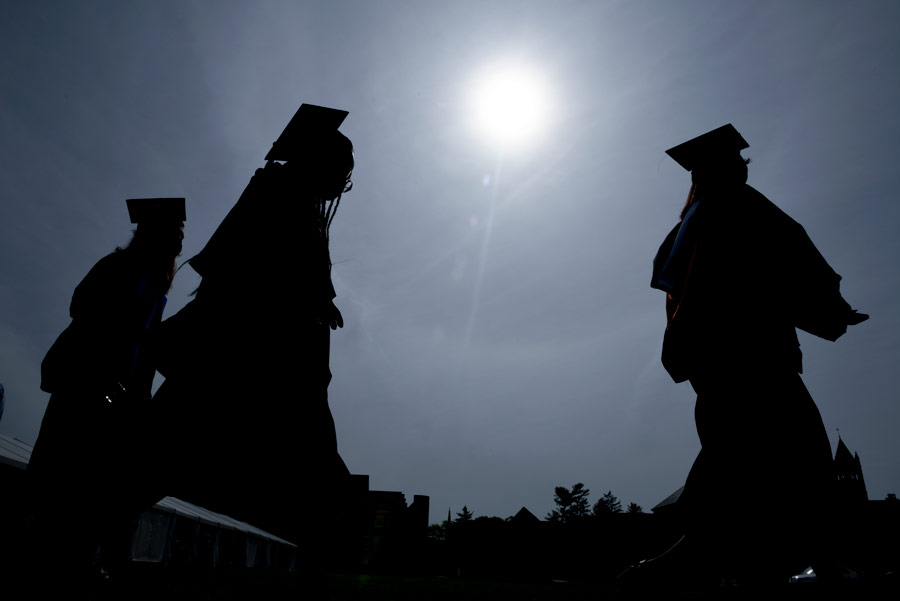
477, 370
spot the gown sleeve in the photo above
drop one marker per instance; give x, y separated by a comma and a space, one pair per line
817, 306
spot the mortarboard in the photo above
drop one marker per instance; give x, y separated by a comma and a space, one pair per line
716, 143
310, 121
142, 210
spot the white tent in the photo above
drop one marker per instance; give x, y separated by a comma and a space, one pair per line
177, 531
14, 452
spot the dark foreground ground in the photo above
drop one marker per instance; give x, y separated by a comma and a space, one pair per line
157, 583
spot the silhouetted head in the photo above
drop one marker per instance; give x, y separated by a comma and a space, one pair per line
160, 225
721, 172
314, 149
324, 165
157, 240
714, 160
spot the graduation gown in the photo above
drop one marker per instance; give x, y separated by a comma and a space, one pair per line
99, 372
740, 277
247, 366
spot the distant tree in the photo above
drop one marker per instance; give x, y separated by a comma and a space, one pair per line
634, 508
484, 519
570, 504
437, 532
464, 516
607, 504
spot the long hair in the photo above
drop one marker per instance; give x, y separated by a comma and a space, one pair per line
689, 201
340, 152
326, 209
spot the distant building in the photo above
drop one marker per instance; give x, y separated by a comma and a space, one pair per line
524, 518
851, 486
382, 528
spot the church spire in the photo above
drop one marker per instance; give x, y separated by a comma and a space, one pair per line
851, 487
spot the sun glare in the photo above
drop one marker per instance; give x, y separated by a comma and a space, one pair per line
510, 105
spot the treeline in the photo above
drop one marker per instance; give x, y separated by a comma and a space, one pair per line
572, 505
577, 540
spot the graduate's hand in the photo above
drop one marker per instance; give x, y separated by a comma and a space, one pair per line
856, 318
330, 315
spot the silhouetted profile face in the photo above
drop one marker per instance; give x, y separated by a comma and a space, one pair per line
324, 167
160, 227
714, 159
161, 239
336, 178
720, 173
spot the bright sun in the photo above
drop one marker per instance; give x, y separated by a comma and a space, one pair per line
510, 104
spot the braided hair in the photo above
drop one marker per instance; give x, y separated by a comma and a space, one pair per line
334, 162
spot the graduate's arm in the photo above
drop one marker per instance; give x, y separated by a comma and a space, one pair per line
819, 308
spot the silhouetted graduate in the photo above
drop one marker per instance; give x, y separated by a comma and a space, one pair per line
739, 276
99, 372
247, 366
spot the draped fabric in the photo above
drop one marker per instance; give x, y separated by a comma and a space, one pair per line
670, 265
247, 367
755, 276
99, 372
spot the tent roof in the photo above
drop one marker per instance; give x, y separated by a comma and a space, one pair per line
205, 516
14, 452
670, 500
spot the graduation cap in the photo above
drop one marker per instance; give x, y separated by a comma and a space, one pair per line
309, 122
144, 210
712, 145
